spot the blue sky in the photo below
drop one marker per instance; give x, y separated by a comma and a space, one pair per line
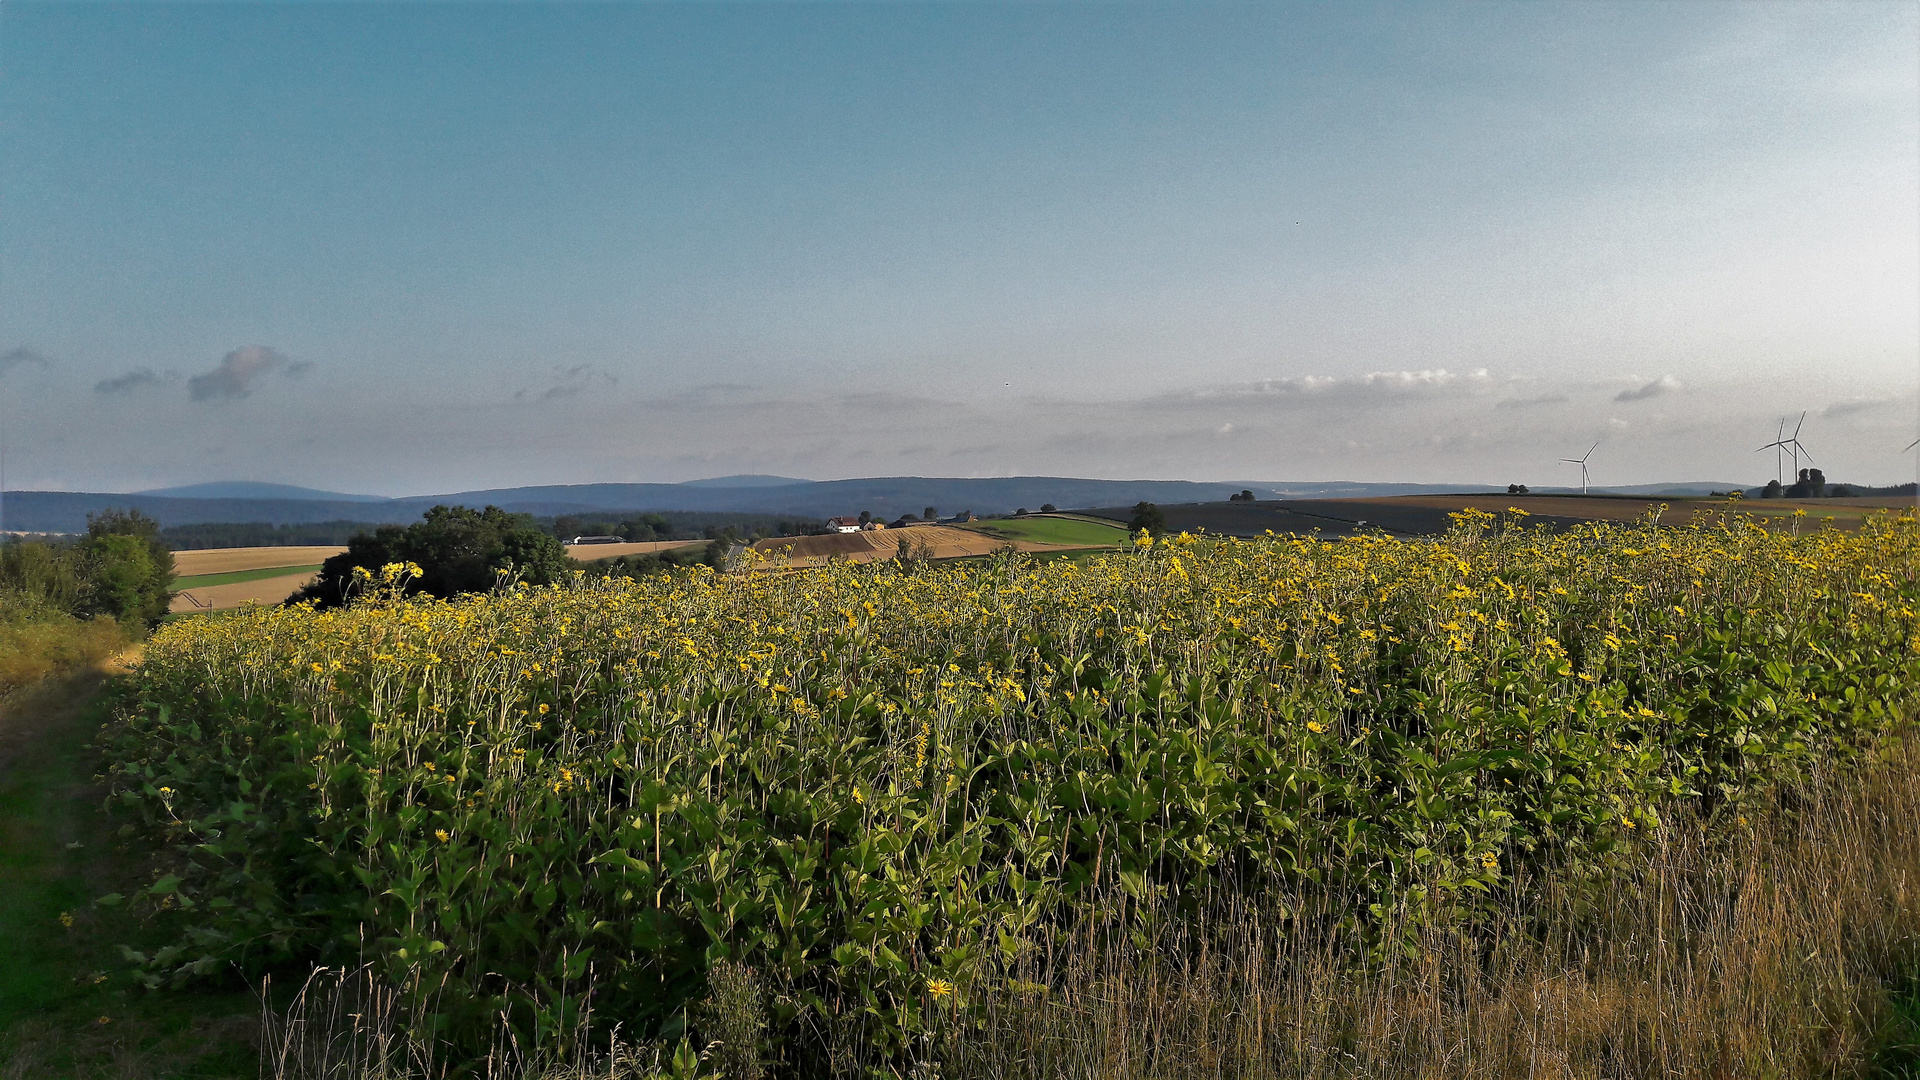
404, 249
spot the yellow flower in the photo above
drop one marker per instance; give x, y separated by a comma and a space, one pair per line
1316, 727
442, 835
940, 988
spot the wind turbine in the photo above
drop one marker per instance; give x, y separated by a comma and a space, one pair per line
1779, 448
1793, 443
1582, 462
1916, 471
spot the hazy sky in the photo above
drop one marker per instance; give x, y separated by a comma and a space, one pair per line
406, 249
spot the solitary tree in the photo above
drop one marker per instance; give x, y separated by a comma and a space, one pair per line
457, 549
1046, 508
1148, 517
930, 514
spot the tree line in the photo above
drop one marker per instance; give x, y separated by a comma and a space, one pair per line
120, 570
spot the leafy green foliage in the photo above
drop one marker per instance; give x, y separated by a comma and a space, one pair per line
458, 550
1148, 517
873, 788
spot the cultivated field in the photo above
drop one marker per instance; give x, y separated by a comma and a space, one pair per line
1063, 530
218, 579
933, 541
1429, 515
230, 560
191, 597
968, 819
596, 552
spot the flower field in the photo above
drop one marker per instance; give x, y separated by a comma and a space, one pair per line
876, 787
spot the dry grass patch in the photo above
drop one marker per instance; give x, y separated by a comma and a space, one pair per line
1772, 950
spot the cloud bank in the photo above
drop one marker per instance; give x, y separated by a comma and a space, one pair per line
1665, 384
18, 357
235, 376
135, 380
568, 381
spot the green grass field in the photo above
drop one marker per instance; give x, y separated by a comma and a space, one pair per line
206, 581
1084, 532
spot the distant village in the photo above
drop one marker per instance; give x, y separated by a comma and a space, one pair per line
866, 522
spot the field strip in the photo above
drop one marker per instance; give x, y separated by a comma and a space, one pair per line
596, 552
233, 560
268, 590
208, 581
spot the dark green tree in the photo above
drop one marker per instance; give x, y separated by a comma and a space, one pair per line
1147, 516
128, 572
457, 549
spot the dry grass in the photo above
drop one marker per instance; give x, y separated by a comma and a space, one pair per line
32, 649
1772, 952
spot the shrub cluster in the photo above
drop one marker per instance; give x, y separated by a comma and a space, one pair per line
874, 788
63, 605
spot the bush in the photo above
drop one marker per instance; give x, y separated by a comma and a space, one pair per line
36, 642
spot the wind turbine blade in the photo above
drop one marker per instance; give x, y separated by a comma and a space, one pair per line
1802, 423
1911, 445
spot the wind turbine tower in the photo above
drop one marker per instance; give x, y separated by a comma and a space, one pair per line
1779, 448
1793, 444
1582, 462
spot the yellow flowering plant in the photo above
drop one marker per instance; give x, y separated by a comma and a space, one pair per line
867, 784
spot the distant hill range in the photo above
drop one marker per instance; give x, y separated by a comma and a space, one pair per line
249, 489
885, 497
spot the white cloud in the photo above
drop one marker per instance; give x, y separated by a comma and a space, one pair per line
235, 376
1665, 384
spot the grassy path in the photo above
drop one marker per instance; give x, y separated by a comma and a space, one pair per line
68, 1007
